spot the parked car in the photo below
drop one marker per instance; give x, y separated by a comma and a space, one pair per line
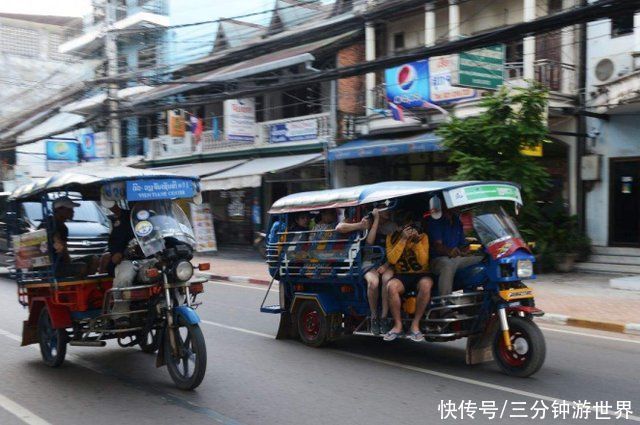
88, 231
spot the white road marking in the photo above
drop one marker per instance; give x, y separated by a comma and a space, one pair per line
246, 286
21, 412
10, 335
233, 328
421, 370
611, 338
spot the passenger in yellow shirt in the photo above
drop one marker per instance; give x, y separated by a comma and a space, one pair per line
408, 253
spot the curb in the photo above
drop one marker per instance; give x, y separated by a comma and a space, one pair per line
561, 319
238, 279
558, 319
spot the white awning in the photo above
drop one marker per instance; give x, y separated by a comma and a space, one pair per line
57, 124
250, 173
202, 169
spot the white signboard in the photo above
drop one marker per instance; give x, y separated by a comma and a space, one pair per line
440, 88
202, 221
240, 120
102, 144
293, 131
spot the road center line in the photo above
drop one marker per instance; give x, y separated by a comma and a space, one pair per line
419, 370
21, 412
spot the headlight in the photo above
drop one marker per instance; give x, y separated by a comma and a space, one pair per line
525, 268
184, 271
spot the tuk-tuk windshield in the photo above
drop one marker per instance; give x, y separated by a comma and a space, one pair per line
493, 224
153, 221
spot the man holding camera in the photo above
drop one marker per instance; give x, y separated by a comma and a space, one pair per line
408, 253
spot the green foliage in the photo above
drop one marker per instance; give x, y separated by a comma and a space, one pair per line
487, 146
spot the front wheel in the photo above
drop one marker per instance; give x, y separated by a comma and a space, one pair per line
529, 348
188, 368
53, 342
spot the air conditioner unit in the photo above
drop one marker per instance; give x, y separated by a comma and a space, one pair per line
604, 69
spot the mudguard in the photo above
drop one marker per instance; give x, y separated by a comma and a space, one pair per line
326, 302
188, 314
479, 347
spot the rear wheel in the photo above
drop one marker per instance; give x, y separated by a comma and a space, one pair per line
529, 348
188, 367
53, 342
312, 324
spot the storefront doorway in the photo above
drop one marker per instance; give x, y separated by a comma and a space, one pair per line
624, 214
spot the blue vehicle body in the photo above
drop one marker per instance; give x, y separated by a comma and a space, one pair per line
323, 293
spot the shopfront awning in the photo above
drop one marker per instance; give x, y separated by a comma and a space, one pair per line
250, 173
384, 146
202, 169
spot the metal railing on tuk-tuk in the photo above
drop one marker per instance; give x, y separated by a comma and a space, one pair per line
321, 260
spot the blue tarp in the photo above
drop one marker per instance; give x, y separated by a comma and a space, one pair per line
366, 148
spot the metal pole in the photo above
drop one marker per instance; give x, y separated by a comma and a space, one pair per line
111, 52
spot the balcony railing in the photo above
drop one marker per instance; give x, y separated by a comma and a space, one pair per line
309, 128
556, 76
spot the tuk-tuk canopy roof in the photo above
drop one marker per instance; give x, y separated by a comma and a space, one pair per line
456, 193
88, 180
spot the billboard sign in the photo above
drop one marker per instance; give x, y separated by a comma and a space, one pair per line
481, 68
293, 131
440, 89
240, 120
408, 85
61, 154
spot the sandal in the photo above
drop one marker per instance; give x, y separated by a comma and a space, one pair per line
415, 336
391, 335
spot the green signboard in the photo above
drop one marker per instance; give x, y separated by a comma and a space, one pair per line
480, 68
482, 193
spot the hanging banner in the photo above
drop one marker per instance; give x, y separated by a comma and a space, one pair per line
88, 146
175, 119
203, 227
240, 120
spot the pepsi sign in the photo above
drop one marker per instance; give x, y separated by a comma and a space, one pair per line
408, 84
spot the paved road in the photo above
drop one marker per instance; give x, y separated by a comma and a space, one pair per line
254, 379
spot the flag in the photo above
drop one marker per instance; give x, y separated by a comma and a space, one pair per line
396, 111
430, 105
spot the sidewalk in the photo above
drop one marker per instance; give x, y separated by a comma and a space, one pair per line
577, 299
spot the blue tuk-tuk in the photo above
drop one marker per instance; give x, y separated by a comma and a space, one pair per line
71, 308
322, 293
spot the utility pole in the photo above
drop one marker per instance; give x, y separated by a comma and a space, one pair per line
111, 52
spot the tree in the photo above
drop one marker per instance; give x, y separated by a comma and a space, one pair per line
488, 146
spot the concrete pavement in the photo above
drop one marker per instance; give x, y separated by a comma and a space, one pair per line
576, 299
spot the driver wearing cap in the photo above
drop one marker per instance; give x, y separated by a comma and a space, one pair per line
65, 266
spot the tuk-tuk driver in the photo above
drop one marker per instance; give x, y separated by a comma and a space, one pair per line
449, 248
121, 234
65, 266
408, 252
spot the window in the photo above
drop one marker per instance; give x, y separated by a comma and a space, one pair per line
398, 41
621, 25
19, 41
